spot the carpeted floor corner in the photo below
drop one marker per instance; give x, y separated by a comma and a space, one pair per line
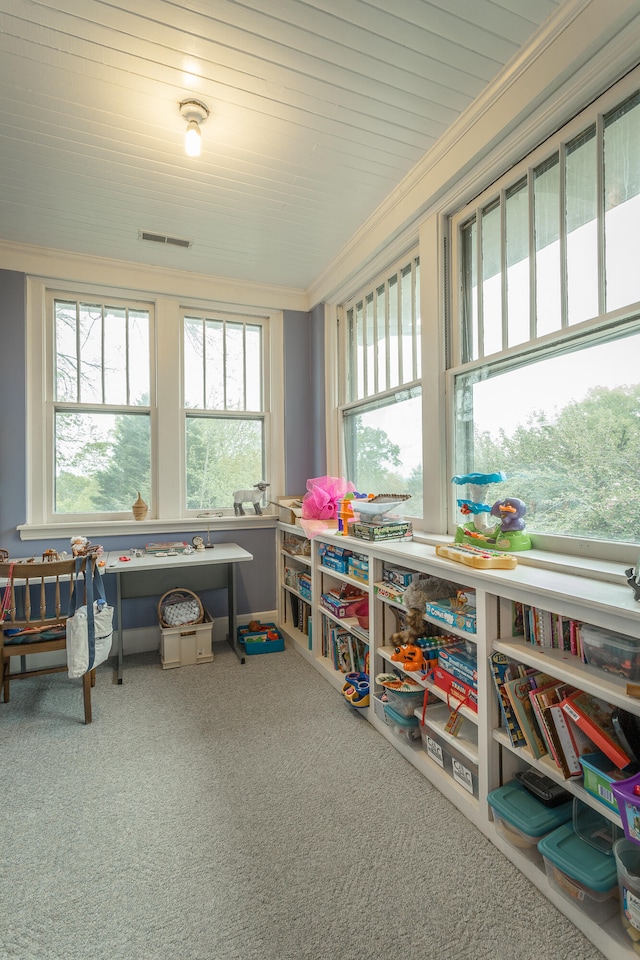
240, 812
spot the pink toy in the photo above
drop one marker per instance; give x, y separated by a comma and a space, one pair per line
321, 500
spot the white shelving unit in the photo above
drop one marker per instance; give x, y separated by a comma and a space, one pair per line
589, 600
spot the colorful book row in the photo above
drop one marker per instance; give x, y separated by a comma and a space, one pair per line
554, 718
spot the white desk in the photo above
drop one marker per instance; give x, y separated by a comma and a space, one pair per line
150, 576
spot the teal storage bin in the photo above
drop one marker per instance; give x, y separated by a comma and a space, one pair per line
256, 643
407, 728
522, 820
581, 873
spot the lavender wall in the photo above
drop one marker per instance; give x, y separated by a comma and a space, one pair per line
13, 381
256, 580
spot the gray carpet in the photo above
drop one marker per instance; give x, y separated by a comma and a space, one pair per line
228, 812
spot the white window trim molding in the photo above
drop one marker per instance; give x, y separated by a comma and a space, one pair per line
169, 490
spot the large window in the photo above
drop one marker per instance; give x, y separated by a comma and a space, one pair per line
101, 405
382, 405
149, 398
224, 408
545, 374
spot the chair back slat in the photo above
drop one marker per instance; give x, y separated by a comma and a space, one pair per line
50, 605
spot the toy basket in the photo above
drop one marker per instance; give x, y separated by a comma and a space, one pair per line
179, 606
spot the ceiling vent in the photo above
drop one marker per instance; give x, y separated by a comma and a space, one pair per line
160, 238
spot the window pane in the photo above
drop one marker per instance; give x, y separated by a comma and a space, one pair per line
66, 374
140, 356
517, 242
546, 198
359, 351
383, 444
470, 339
571, 450
101, 462
223, 455
193, 366
234, 366
370, 345
406, 324
491, 281
253, 364
381, 338
115, 356
90, 329
581, 207
215, 381
622, 204
352, 357
394, 334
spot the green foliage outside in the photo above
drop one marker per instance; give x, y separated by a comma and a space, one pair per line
580, 474
105, 477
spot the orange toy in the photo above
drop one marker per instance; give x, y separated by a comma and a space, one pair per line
410, 656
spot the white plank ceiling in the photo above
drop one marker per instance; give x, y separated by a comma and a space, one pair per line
318, 109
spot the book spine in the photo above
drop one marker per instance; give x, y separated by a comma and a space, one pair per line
565, 740
499, 666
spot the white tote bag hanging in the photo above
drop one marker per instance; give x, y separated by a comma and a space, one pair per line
90, 627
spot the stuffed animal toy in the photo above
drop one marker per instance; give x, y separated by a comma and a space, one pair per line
414, 599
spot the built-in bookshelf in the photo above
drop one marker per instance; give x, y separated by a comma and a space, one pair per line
481, 740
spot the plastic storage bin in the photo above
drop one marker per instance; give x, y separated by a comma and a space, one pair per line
627, 856
442, 749
405, 702
522, 820
581, 873
187, 644
611, 652
406, 728
600, 774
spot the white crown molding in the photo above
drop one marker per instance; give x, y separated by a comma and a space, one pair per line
50, 264
586, 46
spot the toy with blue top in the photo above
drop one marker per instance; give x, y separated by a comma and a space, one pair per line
497, 526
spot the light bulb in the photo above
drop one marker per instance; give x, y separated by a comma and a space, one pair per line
192, 139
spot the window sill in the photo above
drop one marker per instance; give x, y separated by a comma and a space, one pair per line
594, 569
99, 530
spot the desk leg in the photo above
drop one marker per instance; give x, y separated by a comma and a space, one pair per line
120, 663
231, 603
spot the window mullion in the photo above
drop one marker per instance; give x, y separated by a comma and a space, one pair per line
480, 281
562, 220
533, 318
602, 280
399, 325
503, 268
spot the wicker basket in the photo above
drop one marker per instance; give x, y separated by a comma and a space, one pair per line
179, 606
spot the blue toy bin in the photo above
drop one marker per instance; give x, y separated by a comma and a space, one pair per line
627, 794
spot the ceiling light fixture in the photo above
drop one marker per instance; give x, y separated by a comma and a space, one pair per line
195, 113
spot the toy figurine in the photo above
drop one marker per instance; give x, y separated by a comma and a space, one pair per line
507, 535
253, 496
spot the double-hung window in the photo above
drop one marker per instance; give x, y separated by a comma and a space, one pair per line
102, 403
146, 397
381, 409
224, 407
545, 373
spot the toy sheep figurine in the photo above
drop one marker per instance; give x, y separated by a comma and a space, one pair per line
253, 496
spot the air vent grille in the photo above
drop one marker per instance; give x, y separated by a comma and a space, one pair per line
161, 238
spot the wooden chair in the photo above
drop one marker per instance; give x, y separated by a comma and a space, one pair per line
35, 605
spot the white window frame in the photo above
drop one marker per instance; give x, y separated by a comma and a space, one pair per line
614, 96
167, 418
346, 403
